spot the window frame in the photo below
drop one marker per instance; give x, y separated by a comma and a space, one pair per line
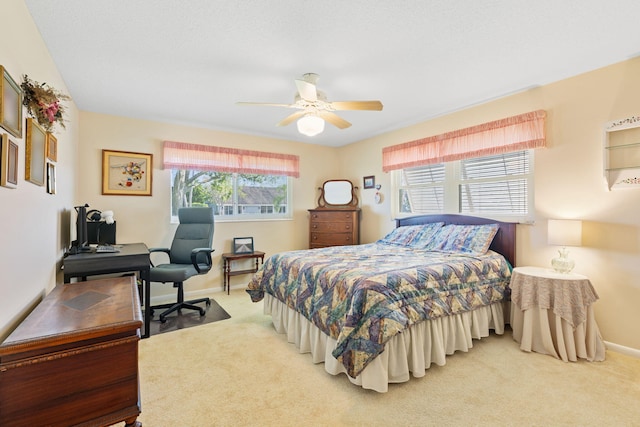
287, 216
452, 192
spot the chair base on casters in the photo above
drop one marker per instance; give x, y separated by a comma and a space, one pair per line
180, 304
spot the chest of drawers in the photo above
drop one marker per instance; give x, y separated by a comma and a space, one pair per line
334, 227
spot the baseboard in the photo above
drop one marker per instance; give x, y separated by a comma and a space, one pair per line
628, 351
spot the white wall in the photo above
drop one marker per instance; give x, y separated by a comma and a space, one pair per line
34, 225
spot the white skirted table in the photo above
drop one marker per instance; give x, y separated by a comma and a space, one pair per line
552, 313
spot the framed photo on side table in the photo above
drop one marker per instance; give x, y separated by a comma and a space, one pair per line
126, 174
8, 162
243, 245
10, 104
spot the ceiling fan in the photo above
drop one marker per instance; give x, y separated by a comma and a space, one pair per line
315, 109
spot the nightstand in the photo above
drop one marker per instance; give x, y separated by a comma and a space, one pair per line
552, 313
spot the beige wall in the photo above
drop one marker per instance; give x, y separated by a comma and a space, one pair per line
34, 226
569, 183
147, 219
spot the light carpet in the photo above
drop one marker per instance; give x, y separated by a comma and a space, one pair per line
240, 372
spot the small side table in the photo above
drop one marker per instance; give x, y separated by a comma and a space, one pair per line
228, 258
552, 313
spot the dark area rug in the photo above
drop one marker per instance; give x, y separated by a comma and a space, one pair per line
188, 318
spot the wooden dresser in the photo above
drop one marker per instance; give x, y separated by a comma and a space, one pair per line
74, 359
334, 227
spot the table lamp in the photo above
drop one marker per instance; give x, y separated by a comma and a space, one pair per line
564, 232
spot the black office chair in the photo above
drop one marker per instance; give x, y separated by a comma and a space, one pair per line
189, 255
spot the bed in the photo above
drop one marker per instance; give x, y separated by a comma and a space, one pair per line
383, 311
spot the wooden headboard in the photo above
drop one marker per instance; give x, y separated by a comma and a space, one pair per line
504, 243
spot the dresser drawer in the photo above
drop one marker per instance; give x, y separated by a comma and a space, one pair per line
331, 227
317, 217
334, 239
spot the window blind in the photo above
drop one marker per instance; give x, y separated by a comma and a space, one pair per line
495, 184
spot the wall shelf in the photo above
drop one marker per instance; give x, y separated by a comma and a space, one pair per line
622, 153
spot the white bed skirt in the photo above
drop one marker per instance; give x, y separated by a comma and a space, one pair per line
411, 351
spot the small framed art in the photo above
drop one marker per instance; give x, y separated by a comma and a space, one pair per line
369, 181
51, 178
8, 162
52, 147
10, 104
125, 173
35, 153
243, 245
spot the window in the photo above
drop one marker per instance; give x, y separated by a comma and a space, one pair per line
234, 196
239, 184
498, 186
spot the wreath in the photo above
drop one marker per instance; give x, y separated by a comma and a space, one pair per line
43, 103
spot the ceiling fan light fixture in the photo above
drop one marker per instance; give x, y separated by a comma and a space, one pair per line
310, 125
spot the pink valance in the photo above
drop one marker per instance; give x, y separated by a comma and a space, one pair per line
515, 133
181, 155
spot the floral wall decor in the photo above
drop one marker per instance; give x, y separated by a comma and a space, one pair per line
43, 103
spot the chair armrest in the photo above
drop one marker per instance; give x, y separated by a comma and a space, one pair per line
202, 268
163, 250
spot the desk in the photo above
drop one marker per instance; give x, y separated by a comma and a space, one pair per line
74, 359
552, 313
132, 257
227, 258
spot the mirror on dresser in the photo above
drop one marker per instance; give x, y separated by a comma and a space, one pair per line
337, 193
336, 220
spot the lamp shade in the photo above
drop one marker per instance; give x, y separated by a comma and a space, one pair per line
310, 125
564, 232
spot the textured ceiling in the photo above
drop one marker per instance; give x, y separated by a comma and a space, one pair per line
189, 62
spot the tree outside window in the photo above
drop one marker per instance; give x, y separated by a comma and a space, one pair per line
232, 195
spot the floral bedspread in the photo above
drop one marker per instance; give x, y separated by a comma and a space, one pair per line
364, 295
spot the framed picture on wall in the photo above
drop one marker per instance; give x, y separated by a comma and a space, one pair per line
8, 162
10, 104
35, 153
369, 181
52, 147
243, 245
125, 173
51, 178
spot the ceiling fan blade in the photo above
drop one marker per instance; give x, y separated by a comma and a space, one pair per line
357, 105
334, 119
291, 118
307, 90
267, 104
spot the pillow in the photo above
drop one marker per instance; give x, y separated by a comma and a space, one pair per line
474, 239
412, 235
